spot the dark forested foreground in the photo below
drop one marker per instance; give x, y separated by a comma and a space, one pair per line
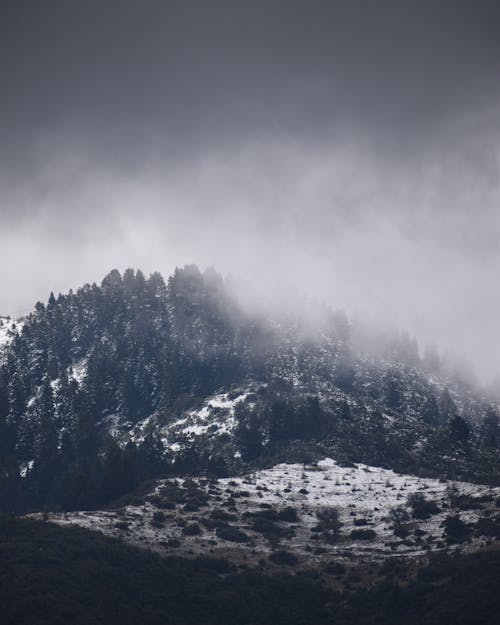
52, 575
94, 384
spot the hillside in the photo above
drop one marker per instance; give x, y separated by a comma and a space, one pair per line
316, 512
245, 454
137, 378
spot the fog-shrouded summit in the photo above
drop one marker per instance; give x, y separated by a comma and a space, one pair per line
343, 150
111, 384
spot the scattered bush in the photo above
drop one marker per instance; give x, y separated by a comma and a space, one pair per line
213, 524
402, 531
488, 527
266, 513
465, 501
164, 504
363, 534
422, 508
192, 505
222, 515
328, 518
360, 522
288, 515
191, 529
270, 529
455, 529
173, 493
233, 534
158, 517
398, 515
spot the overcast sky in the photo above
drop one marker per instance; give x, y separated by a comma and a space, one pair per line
349, 148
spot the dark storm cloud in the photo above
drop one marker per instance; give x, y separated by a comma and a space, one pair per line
348, 147
184, 73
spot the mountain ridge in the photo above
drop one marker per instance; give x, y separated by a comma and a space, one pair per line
112, 384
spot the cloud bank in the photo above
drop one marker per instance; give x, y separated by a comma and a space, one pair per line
340, 150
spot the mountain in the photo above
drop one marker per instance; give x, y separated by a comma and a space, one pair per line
226, 452
138, 378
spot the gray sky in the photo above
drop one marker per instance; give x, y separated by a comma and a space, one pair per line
348, 148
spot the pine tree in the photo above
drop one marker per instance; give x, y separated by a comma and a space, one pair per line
447, 408
430, 409
344, 375
17, 397
345, 411
459, 429
46, 437
65, 403
279, 420
393, 391
490, 429
249, 431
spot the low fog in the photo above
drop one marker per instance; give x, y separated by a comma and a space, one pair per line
361, 170
373, 236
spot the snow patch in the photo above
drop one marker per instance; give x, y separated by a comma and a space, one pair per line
214, 418
78, 371
363, 497
9, 328
25, 468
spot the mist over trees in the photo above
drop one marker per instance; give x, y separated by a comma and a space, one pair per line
135, 347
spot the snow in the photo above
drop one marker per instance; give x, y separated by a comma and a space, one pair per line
112, 421
362, 495
25, 468
79, 371
76, 372
8, 329
215, 417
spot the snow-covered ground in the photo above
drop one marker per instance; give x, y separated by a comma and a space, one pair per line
293, 499
79, 371
215, 418
8, 329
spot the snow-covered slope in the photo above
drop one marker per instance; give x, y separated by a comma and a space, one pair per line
317, 512
8, 329
213, 419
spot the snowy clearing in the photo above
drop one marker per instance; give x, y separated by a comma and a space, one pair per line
289, 507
